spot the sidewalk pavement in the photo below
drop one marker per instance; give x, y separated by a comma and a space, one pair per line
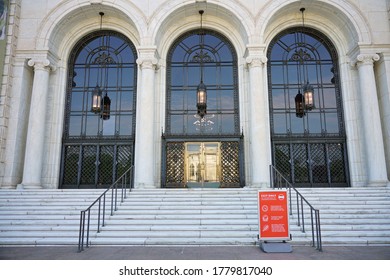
193, 253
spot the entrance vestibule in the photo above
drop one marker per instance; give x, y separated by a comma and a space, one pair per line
202, 164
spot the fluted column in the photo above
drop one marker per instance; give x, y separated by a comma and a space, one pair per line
144, 176
33, 160
372, 131
259, 132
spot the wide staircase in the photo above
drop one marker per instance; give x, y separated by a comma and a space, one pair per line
358, 216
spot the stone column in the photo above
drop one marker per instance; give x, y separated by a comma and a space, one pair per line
145, 157
33, 159
383, 80
372, 131
259, 132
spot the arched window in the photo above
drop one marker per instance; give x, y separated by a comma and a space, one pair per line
309, 141
98, 142
219, 66
202, 143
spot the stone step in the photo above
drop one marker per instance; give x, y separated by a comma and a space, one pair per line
188, 217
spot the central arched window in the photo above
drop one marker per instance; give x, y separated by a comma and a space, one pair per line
98, 144
202, 149
219, 63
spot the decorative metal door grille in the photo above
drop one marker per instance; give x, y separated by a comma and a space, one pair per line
316, 164
231, 171
97, 150
300, 161
95, 165
230, 164
309, 149
88, 165
175, 164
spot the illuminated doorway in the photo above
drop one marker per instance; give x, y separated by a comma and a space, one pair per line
202, 165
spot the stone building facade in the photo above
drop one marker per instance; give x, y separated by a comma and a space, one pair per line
148, 58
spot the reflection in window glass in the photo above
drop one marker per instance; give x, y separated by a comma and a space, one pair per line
297, 125
280, 125
278, 98
332, 125
92, 126
74, 125
106, 60
292, 64
77, 101
308, 146
315, 125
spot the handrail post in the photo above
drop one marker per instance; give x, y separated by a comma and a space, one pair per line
298, 211
98, 227
104, 209
116, 196
312, 226
289, 194
125, 194
122, 195
319, 238
89, 220
112, 201
303, 216
81, 232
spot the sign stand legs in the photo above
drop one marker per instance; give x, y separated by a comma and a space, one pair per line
275, 247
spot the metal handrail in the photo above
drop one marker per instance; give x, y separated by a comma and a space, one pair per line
125, 182
279, 181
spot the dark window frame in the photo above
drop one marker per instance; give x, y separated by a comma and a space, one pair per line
96, 159
310, 150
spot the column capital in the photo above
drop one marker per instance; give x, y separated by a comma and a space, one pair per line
365, 59
148, 63
256, 61
41, 64
255, 55
148, 57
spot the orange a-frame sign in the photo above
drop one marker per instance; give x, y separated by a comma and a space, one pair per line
273, 215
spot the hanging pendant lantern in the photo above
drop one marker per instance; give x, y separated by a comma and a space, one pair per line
201, 92
101, 105
96, 105
201, 103
308, 94
106, 106
304, 102
299, 106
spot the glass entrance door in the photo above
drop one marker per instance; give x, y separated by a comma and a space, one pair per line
202, 164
